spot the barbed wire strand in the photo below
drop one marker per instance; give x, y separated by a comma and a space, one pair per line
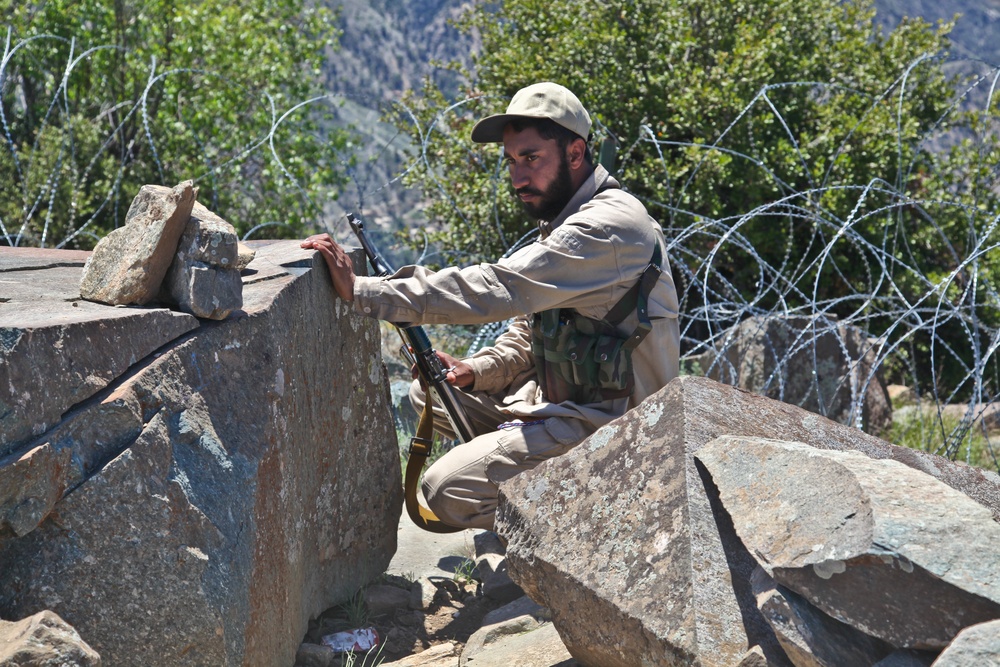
778, 336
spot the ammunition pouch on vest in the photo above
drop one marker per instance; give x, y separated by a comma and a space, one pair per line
584, 360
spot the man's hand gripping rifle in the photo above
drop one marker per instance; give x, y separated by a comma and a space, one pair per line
417, 348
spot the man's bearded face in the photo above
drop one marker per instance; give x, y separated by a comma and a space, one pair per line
552, 198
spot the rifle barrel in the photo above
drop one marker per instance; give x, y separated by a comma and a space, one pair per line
428, 363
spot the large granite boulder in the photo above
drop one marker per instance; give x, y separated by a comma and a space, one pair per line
221, 489
626, 541
129, 264
816, 363
875, 544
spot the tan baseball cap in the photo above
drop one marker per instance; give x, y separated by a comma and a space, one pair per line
539, 100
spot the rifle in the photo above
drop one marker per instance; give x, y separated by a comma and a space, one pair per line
418, 350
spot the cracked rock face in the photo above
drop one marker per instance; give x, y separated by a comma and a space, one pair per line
618, 538
807, 635
837, 526
199, 503
645, 558
57, 350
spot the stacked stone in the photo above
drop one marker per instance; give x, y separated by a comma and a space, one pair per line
204, 278
173, 249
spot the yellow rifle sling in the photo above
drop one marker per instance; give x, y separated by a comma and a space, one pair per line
420, 449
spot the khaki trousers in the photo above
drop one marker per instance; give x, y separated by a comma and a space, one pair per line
461, 487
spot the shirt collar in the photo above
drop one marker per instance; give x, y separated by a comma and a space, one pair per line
599, 179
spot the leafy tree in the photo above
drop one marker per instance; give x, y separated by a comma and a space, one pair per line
99, 98
782, 144
668, 79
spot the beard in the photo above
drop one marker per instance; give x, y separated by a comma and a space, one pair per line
554, 198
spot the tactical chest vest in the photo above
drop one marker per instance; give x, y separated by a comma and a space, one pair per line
584, 360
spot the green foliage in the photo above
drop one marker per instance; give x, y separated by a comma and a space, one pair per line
354, 611
465, 572
785, 147
373, 658
922, 427
100, 98
468, 205
683, 74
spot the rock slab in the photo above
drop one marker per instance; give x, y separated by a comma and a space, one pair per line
442, 655
538, 647
57, 350
809, 637
834, 526
625, 538
233, 485
44, 639
618, 539
515, 618
204, 278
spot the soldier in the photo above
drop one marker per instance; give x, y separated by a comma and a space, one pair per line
593, 303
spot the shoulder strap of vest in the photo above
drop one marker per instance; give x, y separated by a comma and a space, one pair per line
637, 299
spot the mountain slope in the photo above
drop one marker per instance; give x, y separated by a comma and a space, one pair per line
977, 31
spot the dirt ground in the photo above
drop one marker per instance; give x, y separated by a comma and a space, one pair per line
457, 612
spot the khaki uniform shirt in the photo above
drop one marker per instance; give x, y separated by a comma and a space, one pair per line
585, 259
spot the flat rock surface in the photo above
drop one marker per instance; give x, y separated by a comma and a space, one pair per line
273, 261
434, 555
442, 655
225, 493
13, 259
541, 647
833, 526
56, 349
